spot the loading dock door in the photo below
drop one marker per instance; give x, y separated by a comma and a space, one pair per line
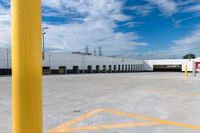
126, 68
131, 67
104, 68
75, 69
119, 68
5, 72
89, 70
122, 68
115, 68
97, 68
167, 68
110, 69
62, 70
46, 70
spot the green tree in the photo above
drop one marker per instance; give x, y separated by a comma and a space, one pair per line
189, 56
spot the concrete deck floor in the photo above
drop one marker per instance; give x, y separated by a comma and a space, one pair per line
117, 103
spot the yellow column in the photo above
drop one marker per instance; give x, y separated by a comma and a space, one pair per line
186, 71
26, 66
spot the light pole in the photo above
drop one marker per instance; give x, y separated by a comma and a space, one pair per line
7, 57
122, 54
43, 46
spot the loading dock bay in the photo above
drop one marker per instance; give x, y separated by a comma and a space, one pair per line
167, 68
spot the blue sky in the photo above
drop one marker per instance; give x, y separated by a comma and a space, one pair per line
132, 28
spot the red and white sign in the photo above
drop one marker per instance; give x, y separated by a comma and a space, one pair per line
197, 65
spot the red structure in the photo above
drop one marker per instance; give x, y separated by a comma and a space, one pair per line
197, 65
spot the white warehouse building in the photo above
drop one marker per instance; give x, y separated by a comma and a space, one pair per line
62, 63
79, 63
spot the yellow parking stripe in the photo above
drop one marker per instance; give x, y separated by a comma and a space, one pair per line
153, 119
63, 127
66, 127
110, 126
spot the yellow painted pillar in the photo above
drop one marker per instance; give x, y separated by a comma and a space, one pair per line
26, 66
186, 71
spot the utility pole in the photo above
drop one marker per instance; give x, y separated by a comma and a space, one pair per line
43, 45
100, 51
86, 49
95, 53
49, 60
7, 57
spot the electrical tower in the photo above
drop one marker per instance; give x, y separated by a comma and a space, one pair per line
86, 49
95, 52
100, 51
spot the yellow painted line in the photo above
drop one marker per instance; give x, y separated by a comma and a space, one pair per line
153, 119
110, 126
63, 127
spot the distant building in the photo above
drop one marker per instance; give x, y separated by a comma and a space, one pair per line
77, 62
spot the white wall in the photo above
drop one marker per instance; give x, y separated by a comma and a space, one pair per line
55, 60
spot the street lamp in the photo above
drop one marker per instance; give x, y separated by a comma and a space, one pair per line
7, 57
43, 46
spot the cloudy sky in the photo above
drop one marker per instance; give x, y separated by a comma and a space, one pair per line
133, 28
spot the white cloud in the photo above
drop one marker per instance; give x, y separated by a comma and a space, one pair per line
188, 44
193, 8
168, 7
5, 27
143, 10
171, 7
93, 33
111, 9
96, 28
99, 25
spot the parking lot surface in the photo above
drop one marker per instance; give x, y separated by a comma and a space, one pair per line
114, 103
